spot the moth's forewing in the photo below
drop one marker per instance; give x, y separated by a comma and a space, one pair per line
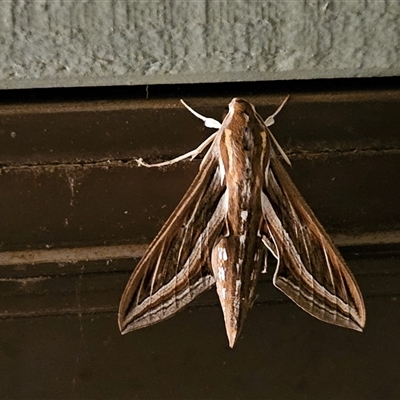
176, 266
310, 268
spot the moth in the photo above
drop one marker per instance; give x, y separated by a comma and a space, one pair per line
241, 205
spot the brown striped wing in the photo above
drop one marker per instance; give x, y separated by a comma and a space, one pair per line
176, 267
310, 269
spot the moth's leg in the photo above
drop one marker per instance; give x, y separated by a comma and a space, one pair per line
269, 217
191, 154
265, 269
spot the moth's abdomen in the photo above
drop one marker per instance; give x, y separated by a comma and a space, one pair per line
236, 267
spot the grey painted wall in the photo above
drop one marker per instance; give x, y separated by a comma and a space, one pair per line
56, 43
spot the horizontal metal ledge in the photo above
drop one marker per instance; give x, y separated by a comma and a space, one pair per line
78, 254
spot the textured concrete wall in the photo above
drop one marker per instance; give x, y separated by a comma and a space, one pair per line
53, 43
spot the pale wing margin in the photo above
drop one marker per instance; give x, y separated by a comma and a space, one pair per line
310, 269
176, 267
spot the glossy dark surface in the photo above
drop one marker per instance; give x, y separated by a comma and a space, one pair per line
67, 182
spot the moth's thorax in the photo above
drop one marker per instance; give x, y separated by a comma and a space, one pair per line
244, 148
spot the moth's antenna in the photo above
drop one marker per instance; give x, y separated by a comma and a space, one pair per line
208, 122
270, 121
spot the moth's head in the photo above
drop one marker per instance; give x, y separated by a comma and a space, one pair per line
242, 107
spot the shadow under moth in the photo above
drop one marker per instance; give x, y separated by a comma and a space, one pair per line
241, 205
